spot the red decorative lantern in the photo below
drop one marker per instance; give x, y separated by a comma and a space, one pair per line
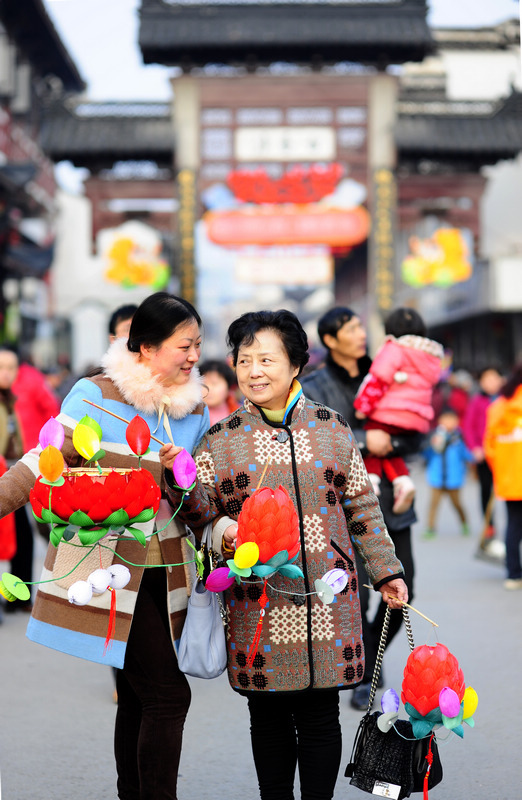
87, 498
269, 519
138, 435
429, 670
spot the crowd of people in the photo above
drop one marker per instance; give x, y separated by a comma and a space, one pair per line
338, 438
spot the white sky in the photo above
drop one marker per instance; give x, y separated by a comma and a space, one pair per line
101, 36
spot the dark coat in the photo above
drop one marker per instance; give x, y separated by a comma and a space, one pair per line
333, 386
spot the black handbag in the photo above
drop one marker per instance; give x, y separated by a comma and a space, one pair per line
393, 763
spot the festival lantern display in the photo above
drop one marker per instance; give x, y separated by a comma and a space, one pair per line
434, 692
268, 538
84, 505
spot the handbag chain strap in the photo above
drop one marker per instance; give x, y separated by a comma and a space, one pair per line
382, 646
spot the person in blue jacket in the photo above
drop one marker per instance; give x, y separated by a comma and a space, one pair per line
447, 459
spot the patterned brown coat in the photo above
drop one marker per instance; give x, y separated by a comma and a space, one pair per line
304, 643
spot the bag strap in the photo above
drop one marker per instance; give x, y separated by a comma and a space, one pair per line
381, 648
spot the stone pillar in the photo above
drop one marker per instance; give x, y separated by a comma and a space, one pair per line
186, 133
382, 112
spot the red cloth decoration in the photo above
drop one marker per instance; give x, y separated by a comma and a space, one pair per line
269, 519
428, 670
97, 495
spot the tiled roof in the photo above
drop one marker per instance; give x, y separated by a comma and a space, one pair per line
486, 136
31, 28
96, 135
194, 34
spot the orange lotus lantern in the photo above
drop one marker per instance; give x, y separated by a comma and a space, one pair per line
269, 519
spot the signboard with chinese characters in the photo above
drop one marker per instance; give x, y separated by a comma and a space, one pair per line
307, 143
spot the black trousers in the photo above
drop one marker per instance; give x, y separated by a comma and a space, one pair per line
22, 561
372, 627
513, 539
485, 478
289, 730
153, 700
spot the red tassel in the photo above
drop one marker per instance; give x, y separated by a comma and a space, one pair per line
112, 622
429, 759
263, 600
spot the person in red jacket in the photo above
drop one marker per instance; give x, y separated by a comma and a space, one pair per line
396, 396
35, 403
473, 427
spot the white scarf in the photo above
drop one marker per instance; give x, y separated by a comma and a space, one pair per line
144, 391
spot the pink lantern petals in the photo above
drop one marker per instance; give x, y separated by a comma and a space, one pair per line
184, 470
219, 580
51, 433
138, 435
449, 702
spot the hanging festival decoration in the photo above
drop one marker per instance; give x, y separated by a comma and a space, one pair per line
85, 505
434, 693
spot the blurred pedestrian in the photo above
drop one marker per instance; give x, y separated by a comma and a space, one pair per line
219, 382
335, 385
120, 321
35, 403
503, 450
396, 396
447, 459
490, 382
11, 447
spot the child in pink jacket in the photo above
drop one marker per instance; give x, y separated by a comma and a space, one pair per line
396, 395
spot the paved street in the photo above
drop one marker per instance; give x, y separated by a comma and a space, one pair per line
58, 714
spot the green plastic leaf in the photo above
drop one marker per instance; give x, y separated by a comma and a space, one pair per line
50, 517
119, 517
263, 570
96, 457
144, 516
55, 538
244, 573
118, 530
291, 571
58, 482
278, 559
81, 519
69, 531
138, 535
91, 423
87, 536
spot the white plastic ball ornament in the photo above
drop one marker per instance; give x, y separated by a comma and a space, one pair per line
100, 580
80, 593
120, 576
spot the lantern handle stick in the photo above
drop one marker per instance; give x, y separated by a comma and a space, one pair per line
404, 603
263, 473
126, 421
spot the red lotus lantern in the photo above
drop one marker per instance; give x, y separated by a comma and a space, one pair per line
269, 519
429, 670
95, 501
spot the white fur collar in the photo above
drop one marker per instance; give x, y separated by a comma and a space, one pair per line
142, 389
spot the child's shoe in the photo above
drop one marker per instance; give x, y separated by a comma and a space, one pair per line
376, 483
403, 493
429, 534
465, 529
